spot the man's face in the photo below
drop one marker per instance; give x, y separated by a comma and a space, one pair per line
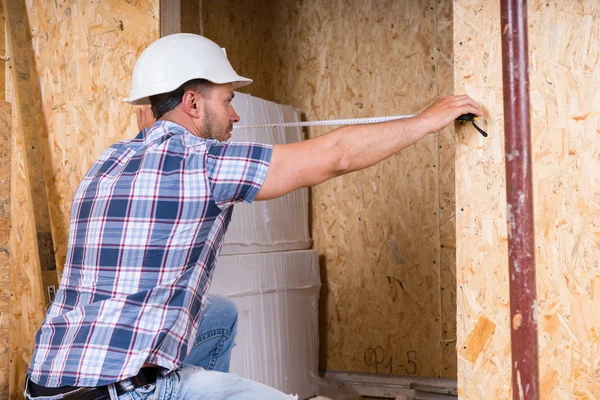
219, 114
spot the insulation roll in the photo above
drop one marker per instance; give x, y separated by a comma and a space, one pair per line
275, 225
277, 296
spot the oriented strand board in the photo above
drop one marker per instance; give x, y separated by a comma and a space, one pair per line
84, 53
244, 29
5, 159
565, 114
191, 21
2, 53
378, 230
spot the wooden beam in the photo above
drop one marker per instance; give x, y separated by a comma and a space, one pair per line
5, 173
180, 16
24, 95
382, 385
170, 17
2, 54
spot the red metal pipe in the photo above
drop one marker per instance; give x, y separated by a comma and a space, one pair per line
519, 193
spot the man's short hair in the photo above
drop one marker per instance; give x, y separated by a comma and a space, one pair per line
165, 102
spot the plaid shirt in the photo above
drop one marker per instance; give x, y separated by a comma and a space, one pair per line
147, 224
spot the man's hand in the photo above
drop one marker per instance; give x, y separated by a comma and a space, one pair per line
145, 118
444, 111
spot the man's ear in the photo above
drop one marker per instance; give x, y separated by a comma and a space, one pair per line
192, 103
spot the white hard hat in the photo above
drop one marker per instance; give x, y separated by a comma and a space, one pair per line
175, 59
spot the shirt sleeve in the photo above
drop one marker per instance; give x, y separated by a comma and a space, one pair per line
236, 171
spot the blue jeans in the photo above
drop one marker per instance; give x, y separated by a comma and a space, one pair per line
205, 372
216, 335
195, 383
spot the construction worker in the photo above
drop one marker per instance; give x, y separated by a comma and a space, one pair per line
130, 319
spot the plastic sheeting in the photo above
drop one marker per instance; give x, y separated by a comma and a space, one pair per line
277, 296
275, 225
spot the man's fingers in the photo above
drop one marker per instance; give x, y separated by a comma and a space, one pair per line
145, 117
467, 101
469, 109
138, 114
475, 110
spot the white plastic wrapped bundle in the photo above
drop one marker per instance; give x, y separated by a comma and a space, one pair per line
277, 296
275, 225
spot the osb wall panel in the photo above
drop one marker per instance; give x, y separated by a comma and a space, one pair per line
243, 28
565, 111
5, 158
84, 53
2, 53
191, 21
378, 230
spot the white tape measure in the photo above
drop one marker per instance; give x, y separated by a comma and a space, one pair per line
331, 122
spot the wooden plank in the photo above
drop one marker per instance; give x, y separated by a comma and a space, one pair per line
170, 17
2, 53
24, 89
27, 300
180, 16
391, 385
28, 279
5, 170
447, 194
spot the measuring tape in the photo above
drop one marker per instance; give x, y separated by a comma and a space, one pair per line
352, 121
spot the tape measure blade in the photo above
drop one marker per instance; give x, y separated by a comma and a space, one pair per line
354, 121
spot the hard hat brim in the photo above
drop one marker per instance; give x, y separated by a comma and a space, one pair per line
143, 97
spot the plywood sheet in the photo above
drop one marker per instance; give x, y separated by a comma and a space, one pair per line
244, 29
565, 106
380, 241
84, 53
3, 63
5, 159
378, 229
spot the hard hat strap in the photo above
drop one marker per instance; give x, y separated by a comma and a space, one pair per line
168, 103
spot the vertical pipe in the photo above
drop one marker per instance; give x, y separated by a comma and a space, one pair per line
521, 244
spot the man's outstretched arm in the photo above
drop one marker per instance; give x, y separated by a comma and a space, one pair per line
355, 147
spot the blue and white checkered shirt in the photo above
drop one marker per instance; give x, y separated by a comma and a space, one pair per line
147, 223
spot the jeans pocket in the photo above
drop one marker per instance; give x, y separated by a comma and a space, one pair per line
143, 392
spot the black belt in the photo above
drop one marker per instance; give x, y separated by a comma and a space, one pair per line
146, 376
